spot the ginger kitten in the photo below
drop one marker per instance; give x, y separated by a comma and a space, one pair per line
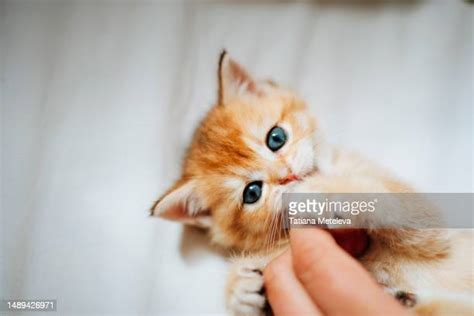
258, 142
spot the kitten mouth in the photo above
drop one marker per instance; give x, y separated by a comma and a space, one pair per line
353, 240
295, 177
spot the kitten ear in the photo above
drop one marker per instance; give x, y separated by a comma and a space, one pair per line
182, 203
234, 80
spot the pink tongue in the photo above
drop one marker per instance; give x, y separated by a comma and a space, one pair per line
354, 241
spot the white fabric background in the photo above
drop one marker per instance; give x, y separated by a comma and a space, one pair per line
99, 100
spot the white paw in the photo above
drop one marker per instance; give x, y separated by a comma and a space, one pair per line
246, 295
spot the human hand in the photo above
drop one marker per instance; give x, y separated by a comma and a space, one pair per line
317, 277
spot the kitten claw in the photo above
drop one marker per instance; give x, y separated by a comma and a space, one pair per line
407, 299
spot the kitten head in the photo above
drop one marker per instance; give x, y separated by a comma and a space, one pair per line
253, 145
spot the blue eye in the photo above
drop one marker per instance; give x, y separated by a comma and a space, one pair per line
276, 138
253, 192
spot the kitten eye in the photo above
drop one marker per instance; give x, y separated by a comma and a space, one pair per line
252, 192
276, 138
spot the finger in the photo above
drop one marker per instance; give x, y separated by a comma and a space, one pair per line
284, 292
336, 282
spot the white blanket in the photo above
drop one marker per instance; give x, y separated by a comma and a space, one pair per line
99, 100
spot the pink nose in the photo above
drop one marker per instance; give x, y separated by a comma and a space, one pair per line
289, 178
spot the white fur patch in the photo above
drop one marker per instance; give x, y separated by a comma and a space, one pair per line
301, 159
260, 149
303, 120
233, 183
236, 186
276, 199
257, 176
323, 153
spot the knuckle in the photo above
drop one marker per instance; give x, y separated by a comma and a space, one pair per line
273, 270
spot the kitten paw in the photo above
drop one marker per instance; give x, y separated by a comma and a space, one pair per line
246, 294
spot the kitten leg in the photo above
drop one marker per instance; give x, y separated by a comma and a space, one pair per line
435, 303
444, 303
245, 290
